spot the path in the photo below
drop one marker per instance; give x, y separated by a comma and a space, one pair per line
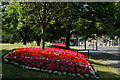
108, 55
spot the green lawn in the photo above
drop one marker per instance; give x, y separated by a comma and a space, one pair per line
11, 71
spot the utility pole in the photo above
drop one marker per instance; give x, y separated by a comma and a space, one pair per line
85, 44
96, 44
78, 41
93, 44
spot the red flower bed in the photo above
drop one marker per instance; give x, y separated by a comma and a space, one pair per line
51, 62
58, 45
58, 50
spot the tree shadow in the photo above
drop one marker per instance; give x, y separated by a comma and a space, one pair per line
4, 51
111, 50
102, 55
104, 75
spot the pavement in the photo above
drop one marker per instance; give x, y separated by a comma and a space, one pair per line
109, 55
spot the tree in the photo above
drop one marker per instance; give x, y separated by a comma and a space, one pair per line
69, 20
102, 16
117, 19
54, 31
16, 20
85, 28
44, 13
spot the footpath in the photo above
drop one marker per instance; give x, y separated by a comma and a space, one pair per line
106, 55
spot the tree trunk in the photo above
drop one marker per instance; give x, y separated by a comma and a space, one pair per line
24, 41
109, 43
42, 37
78, 42
38, 42
85, 44
93, 44
50, 40
96, 44
61, 40
114, 42
67, 40
23, 37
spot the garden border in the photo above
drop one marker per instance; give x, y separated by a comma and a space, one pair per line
97, 76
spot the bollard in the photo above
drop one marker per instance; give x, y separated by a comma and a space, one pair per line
88, 54
77, 52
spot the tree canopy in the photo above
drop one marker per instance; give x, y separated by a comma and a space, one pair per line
52, 20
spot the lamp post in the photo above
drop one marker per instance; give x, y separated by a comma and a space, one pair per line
96, 41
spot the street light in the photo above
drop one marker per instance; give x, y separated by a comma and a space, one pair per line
95, 35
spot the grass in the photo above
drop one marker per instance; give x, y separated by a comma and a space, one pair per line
103, 70
11, 71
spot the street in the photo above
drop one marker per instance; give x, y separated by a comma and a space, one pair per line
108, 54
108, 49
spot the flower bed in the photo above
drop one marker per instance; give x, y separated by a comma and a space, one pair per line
51, 62
58, 45
58, 50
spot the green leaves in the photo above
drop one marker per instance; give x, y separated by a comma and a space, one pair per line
20, 25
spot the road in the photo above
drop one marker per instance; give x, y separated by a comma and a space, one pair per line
109, 55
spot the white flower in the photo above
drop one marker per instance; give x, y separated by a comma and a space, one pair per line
15, 57
57, 60
69, 74
73, 75
42, 57
38, 69
55, 72
50, 71
42, 69
64, 73
34, 68
86, 75
6, 60
92, 71
59, 73
22, 66
45, 70
80, 75
27, 67
16, 63
30, 67
66, 61
12, 61
29, 57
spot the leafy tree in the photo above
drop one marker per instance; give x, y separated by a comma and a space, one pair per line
16, 20
44, 13
69, 20
85, 28
102, 14
54, 32
117, 19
